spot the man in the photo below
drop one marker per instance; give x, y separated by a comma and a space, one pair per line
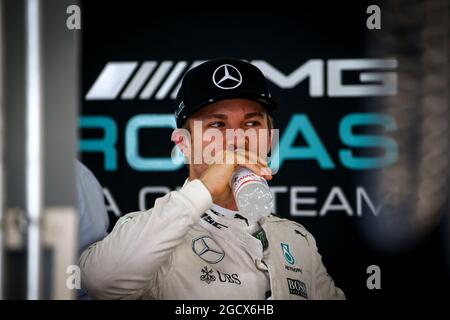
93, 217
194, 244
94, 220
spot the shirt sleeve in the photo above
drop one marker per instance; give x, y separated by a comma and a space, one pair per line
125, 263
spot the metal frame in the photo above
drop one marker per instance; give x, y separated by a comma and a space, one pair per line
34, 147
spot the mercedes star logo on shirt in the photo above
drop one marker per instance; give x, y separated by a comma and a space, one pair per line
207, 249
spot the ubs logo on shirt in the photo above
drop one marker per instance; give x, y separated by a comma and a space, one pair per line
208, 275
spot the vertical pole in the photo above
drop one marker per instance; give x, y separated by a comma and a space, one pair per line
34, 148
2, 168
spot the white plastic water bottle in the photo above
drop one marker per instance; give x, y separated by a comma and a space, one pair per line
251, 193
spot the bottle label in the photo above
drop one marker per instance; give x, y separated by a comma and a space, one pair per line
242, 178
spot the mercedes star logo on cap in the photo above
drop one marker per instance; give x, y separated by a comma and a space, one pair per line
227, 77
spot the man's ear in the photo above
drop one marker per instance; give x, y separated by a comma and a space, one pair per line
182, 139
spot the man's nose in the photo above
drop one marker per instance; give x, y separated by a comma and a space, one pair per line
236, 137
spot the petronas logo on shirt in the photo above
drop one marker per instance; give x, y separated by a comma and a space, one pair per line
287, 255
207, 275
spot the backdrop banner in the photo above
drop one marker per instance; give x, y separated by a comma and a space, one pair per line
333, 78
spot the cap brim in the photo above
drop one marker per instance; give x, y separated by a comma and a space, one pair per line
266, 101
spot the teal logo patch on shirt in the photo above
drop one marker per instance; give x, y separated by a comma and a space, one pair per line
287, 255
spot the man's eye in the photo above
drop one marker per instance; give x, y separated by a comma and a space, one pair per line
252, 123
216, 124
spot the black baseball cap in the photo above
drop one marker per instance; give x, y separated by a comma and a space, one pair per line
221, 79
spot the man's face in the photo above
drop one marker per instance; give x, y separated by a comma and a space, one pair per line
238, 123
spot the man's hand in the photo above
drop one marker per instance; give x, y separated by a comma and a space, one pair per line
217, 176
